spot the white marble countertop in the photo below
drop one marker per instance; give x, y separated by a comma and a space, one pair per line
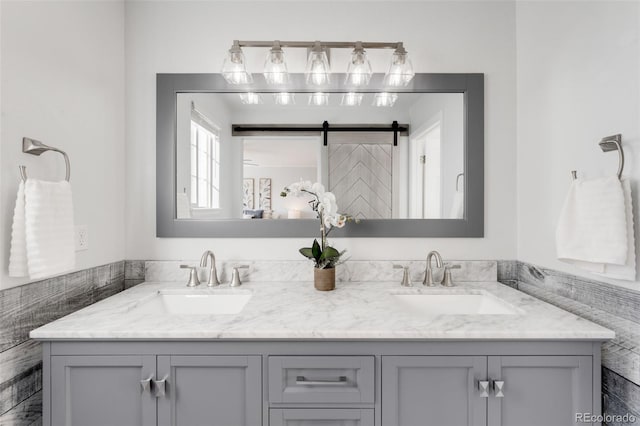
295, 310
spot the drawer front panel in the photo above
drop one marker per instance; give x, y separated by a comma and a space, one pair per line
321, 379
321, 417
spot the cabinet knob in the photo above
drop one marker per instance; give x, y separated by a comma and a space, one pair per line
498, 388
160, 386
483, 387
146, 384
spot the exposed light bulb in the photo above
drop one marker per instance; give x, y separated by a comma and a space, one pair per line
250, 98
385, 99
234, 69
359, 70
318, 70
319, 99
351, 99
275, 67
401, 70
284, 98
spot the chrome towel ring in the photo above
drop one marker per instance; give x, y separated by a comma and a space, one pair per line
610, 143
34, 147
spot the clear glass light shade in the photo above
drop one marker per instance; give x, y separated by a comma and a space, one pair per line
284, 98
359, 70
318, 70
275, 67
319, 99
400, 72
385, 99
234, 69
351, 99
250, 98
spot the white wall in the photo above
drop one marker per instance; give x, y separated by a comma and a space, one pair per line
578, 81
62, 79
184, 37
449, 110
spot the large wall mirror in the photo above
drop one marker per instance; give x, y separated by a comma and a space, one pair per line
408, 163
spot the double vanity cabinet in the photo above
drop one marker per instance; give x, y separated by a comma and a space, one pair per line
329, 383
309, 359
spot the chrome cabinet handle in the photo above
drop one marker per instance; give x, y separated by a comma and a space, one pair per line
483, 387
160, 386
303, 381
498, 388
146, 384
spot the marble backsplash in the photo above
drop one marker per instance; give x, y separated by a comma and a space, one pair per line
302, 270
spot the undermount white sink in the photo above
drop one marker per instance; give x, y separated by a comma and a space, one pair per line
453, 304
192, 303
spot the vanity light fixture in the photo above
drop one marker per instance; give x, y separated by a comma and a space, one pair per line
319, 99
234, 69
250, 98
284, 98
351, 99
359, 70
275, 67
401, 69
385, 99
318, 71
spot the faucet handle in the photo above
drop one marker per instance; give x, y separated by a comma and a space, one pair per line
235, 279
406, 281
193, 275
447, 281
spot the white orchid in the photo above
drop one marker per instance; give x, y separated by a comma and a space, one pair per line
325, 204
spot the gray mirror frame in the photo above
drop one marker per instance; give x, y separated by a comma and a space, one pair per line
167, 226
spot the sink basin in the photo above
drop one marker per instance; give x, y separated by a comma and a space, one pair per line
196, 303
453, 304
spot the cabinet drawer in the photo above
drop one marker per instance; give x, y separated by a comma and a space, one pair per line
321, 417
321, 379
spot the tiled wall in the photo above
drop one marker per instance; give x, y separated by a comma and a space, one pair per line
610, 306
29, 306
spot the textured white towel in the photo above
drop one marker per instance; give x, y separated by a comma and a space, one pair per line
457, 206
42, 237
595, 230
183, 206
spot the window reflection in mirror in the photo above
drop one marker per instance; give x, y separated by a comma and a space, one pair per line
220, 175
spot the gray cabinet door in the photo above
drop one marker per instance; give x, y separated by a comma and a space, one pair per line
433, 390
321, 417
210, 390
540, 390
102, 391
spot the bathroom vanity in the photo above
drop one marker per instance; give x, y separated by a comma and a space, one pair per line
284, 354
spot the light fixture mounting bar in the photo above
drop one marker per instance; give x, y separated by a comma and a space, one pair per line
329, 44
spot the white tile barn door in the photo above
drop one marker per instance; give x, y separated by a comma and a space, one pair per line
360, 175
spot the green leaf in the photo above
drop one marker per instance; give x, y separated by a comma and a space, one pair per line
316, 250
307, 252
330, 253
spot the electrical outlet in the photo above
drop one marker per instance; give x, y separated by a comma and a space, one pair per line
82, 238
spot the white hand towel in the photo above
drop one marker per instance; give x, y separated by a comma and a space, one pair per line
457, 206
183, 206
595, 230
42, 239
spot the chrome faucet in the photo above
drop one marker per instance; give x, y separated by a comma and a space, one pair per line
428, 273
213, 274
